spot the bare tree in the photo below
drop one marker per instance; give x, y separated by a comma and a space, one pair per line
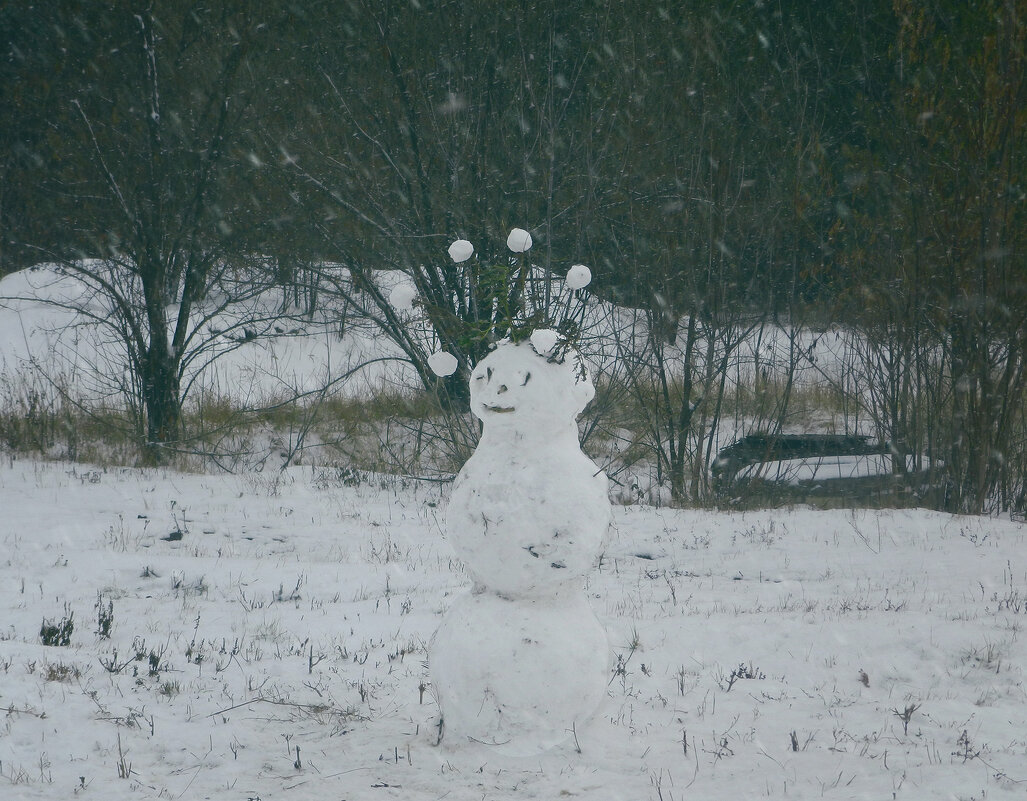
424, 132
936, 248
139, 162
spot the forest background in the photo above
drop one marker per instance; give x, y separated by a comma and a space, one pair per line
721, 167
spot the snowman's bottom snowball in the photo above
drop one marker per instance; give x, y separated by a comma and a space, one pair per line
519, 675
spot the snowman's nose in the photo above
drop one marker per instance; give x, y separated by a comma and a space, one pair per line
501, 390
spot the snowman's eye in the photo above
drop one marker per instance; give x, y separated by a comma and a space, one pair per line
489, 371
527, 378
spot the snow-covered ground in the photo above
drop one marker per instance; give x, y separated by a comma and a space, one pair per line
265, 635
276, 649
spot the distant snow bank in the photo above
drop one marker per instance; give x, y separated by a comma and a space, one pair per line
54, 324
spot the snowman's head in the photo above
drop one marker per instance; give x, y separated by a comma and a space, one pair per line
515, 386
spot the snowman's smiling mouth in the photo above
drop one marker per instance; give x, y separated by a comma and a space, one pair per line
497, 409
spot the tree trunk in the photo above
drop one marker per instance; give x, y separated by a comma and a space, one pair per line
162, 398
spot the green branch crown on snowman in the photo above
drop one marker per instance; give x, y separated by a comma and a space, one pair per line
505, 299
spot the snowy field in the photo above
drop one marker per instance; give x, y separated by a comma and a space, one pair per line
268, 634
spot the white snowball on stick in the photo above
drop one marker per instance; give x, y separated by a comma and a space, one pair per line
543, 340
402, 297
519, 240
461, 250
442, 363
578, 277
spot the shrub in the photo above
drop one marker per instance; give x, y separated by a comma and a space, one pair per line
57, 634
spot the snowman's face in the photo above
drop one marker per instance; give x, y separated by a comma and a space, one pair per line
513, 385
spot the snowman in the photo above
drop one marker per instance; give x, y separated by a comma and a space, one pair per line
521, 660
